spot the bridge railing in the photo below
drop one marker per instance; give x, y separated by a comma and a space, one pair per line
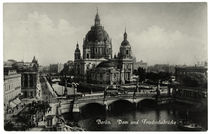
91, 97
142, 94
148, 93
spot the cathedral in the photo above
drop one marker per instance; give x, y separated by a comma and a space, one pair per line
96, 64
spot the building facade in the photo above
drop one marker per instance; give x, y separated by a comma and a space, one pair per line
190, 89
12, 88
29, 84
96, 65
161, 68
180, 72
140, 64
29, 79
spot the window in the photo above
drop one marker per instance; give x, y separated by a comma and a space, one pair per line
88, 66
88, 56
126, 51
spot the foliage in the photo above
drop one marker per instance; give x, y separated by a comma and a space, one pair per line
9, 126
141, 72
152, 76
194, 80
67, 70
25, 117
164, 76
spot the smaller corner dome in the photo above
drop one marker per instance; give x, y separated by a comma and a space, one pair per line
107, 64
77, 48
125, 43
34, 60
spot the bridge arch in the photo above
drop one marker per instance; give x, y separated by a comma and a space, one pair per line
83, 104
109, 102
147, 102
120, 105
145, 99
93, 108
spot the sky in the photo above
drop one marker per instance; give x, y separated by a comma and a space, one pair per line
159, 33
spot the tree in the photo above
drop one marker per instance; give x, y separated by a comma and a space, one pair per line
67, 69
194, 80
141, 73
152, 77
9, 126
164, 76
25, 117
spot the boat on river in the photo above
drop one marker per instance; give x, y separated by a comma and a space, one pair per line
189, 126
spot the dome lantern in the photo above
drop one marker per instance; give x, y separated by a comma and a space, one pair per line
125, 35
97, 19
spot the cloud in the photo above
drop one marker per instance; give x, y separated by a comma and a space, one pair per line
41, 36
54, 40
157, 45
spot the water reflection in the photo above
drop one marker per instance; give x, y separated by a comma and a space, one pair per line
156, 118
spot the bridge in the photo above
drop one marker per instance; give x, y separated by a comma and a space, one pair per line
108, 101
79, 103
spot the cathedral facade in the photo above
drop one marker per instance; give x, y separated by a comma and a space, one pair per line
96, 64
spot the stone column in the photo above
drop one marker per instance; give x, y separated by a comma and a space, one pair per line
135, 104
23, 79
122, 77
169, 90
28, 80
110, 79
35, 80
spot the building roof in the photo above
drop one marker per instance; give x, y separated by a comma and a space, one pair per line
9, 71
107, 64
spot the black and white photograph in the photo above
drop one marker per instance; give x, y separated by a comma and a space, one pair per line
87, 66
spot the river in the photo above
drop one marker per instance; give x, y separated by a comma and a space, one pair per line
158, 118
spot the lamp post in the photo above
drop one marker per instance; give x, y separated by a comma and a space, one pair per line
75, 87
105, 92
158, 89
65, 89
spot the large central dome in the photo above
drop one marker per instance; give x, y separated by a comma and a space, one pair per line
97, 33
97, 43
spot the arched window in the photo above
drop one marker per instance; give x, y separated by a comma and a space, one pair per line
88, 66
126, 51
88, 56
78, 69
